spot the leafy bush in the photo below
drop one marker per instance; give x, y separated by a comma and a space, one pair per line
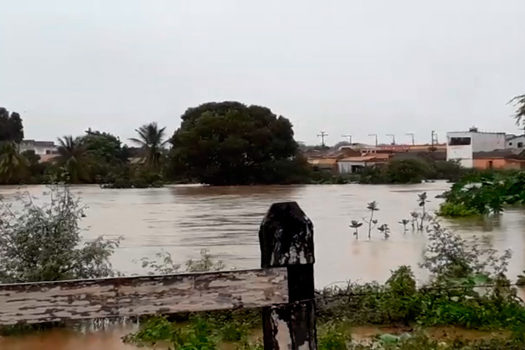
43, 243
456, 210
401, 300
485, 193
408, 171
155, 329
331, 337
234, 331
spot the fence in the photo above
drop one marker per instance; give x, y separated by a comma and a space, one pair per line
283, 287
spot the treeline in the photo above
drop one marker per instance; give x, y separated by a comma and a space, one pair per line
95, 157
225, 143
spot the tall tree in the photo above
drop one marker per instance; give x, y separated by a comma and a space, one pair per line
230, 143
519, 115
72, 156
11, 128
151, 140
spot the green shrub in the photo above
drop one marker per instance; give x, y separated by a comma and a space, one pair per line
332, 338
234, 331
456, 210
155, 329
408, 171
44, 242
400, 299
197, 336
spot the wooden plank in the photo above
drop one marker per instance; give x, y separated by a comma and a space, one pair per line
143, 295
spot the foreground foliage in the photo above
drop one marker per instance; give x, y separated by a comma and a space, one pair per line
44, 242
467, 289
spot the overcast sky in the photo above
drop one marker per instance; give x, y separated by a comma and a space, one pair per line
345, 67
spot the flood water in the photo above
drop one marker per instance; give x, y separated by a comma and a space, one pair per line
182, 220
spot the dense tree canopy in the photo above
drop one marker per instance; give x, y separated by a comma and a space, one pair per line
104, 147
230, 143
11, 128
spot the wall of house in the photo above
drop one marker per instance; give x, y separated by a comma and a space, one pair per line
498, 163
461, 153
516, 143
486, 142
348, 167
38, 149
479, 142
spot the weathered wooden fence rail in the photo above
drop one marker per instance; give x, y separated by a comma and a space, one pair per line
284, 287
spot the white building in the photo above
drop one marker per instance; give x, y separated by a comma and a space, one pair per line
40, 148
462, 145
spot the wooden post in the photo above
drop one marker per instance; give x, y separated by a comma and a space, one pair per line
286, 240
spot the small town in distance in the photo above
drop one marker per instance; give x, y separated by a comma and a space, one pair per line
471, 149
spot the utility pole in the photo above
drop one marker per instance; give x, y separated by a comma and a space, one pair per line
434, 138
322, 135
393, 138
375, 137
412, 135
348, 137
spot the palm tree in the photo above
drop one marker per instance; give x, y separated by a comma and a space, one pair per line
13, 165
73, 157
151, 140
519, 102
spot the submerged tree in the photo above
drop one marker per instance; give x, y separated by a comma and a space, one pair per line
372, 207
385, 230
404, 222
422, 201
43, 243
356, 225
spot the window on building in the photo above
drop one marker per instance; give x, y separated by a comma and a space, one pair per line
520, 144
459, 141
510, 143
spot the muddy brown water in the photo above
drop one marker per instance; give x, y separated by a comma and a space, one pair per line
182, 220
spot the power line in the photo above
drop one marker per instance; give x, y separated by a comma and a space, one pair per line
322, 135
434, 136
348, 137
393, 138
